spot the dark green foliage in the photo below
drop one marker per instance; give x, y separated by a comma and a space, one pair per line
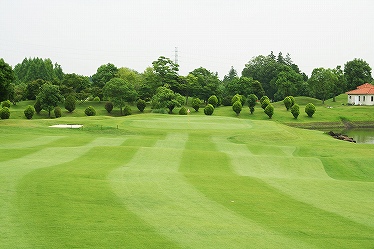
90, 111
357, 72
29, 112
57, 112
310, 109
104, 74
6, 78
6, 103
269, 110
96, 99
166, 98
295, 110
70, 102
37, 106
196, 102
4, 113
49, 97
213, 100
252, 100
209, 109
287, 102
141, 104
33, 88
292, 100
237, 107
109, 106
183, 111
127, 110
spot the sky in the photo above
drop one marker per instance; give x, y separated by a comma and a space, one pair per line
82, 35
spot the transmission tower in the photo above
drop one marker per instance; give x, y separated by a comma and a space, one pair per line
176, 55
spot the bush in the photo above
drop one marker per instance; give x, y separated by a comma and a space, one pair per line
287, 102
226, 101
252, 100
265, 103
141, 104
310, 109
29, 112
6, 103
183, 111
57, 112
4, 113
127, 110
269, 110
96, 99
263, 98
109, 106
90, 111
70, 103
196, 102
292, 100
209, 109
237, 107
37, 106
295, 110
213, 100
160, 110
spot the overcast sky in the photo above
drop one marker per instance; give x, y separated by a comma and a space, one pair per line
81, 35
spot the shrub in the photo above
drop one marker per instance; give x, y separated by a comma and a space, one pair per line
292, 100
109, 106
235, 98
90, 111
310, 109
6, 103
263, 98
141, 104
226, 101
269, 110
209, 109
127, 110
57, 112
213, 100
237, 107
70, 103
29, 112
4, 113
96, 99
287, 102
37, 106
183, 111
252, 100
265, 103
295, 110
196, 102
160, 110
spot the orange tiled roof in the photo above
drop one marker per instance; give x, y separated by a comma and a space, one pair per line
364, 89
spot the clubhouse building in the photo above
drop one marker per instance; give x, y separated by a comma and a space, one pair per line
363, 95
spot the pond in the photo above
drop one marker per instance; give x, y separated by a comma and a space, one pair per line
362, 136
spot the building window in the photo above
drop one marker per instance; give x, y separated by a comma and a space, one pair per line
363, 98
359, 98
372, 98
350, 97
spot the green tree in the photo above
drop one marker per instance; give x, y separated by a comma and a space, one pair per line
167, 98
295, 110
18, 92
141, 104
237, 107
213, 100
131, 76
167, 72
90, 111
209, 109
6, 78
287, 82
37, 106
264, 101
57, 112
104, 74
340, 85
322, 82
109, 106
287, 102
207, 84
269, 110
357, 72
196, 102
74, 84
252, 100
49, 97
310, 109
70, 102
29, 112
119, 92
33, 88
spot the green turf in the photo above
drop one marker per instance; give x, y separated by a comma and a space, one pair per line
170, 181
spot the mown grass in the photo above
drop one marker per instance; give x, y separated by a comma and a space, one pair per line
171, 181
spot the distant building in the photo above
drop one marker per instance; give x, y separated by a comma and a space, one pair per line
363, 95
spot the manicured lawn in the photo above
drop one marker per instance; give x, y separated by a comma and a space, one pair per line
171, 181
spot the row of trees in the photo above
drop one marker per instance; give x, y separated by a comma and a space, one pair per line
274, 76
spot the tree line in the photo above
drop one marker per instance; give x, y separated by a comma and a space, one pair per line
265, 75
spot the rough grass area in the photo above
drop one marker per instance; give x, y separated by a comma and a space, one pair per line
170, 181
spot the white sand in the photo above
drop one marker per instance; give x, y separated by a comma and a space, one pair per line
73, 126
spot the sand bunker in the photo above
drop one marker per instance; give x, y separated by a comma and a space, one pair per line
72, 126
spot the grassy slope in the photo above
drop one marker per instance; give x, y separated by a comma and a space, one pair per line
182, 181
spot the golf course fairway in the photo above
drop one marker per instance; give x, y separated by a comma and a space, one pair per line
168, 181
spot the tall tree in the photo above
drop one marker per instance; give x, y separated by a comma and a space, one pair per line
74, 84
207, 83
119, 91
167, 72
166, 98
340, 85
287, 83
49, 97
322, 82
357, 72
104, 74
6, 78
